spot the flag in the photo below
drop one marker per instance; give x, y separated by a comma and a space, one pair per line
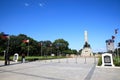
5, 36
116, 31
113, 37
26, 41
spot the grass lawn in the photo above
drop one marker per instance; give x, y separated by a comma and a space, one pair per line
33, 58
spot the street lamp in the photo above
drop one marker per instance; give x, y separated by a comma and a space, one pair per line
4, 53
57, 46
51, 50
41, 48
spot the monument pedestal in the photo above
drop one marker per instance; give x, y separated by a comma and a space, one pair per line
87, 52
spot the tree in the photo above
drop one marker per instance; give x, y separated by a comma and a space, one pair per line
74, 51
46, 47
17, 45
60, 45
117, 51
69, 51
3, 43
80, 51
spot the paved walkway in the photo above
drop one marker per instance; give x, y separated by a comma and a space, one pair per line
59, 69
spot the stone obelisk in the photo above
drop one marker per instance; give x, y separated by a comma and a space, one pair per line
86, 51
86, 36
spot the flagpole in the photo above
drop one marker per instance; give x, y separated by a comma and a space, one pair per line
8, 45
28, 48
117, 52
41, 49
117, 49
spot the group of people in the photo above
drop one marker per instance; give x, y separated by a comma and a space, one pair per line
7, 58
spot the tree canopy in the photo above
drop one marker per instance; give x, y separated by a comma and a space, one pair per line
22, 43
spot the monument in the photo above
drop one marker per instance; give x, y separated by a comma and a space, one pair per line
86, 51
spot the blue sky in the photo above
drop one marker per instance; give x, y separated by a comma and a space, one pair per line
67, 19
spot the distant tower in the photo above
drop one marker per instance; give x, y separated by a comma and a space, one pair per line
110, 45
86, 51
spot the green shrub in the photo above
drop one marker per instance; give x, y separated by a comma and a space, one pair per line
116, 62
100, 61
2, 58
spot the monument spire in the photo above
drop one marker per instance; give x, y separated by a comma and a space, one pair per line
86, 36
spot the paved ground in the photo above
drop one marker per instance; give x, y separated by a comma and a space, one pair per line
62, 69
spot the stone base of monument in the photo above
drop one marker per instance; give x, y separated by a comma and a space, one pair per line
86, 52
107, 59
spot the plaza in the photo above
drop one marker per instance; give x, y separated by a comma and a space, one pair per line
59, 69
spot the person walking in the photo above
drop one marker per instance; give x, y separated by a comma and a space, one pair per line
7, 59
23, 58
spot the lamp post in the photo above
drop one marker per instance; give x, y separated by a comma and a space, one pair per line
94, 59
51, 50
66, 58
116, 32
7, 61
76, 58
57, 46
118, 51
28, 48
85, 60
41, 49
4, 53
58, 53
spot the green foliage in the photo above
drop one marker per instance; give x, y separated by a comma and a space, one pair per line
33, 58
16, 45
116, 62
60, 45
80, 51
100, 61
3, 43
74, 51
117, 51
2, 58
67, 52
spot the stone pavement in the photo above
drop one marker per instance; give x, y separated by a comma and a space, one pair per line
59, 69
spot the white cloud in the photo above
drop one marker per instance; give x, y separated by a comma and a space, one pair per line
41, 4
26, 4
